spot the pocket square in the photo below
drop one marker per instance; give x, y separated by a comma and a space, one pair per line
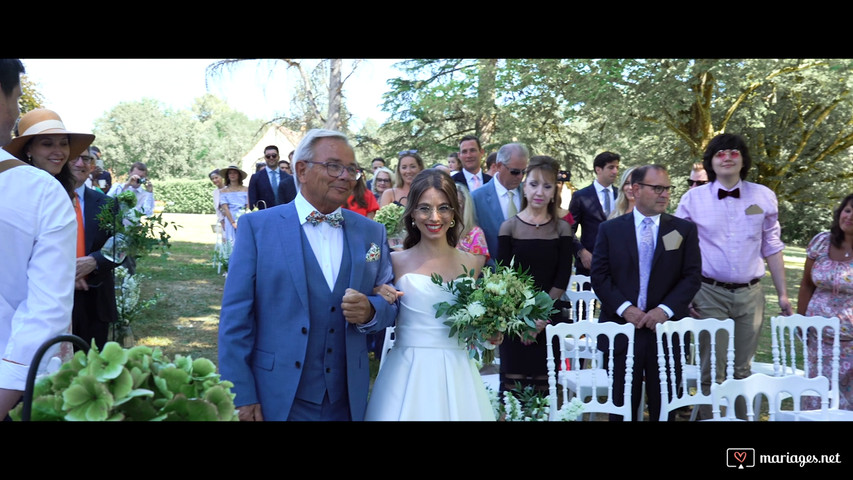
373, 253
754, 210
672, 240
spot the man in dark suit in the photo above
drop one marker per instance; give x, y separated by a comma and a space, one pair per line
646, 268
470, 154
591, 205
94, 287
270, 186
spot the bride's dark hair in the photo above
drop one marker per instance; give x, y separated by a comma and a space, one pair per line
441, 181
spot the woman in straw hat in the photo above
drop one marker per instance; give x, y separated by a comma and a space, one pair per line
44, 143
233, 199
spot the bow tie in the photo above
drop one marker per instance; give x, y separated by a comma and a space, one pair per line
333, 219
721, 194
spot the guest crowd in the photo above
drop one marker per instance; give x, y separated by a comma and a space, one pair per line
304, 356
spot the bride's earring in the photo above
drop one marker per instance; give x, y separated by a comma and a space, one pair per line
413, 222
452, 223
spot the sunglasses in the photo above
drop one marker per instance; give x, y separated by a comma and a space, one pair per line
734, 154
514, 171
403, 153
272, 155
696, 183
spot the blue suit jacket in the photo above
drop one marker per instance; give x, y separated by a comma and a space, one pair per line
586, 210
264, 322
489, 214
261, 194
675, 277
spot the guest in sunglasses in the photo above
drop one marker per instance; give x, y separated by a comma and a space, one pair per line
738, 233
270, 185
500, 199
698, 176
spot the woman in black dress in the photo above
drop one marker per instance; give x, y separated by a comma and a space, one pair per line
540, 243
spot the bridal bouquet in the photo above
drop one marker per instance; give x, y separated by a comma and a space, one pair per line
503, 302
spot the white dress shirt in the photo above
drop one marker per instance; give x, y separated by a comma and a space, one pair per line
469, 176
638, 222
38, 228
144, 198
503, 197
602, 191
326, 242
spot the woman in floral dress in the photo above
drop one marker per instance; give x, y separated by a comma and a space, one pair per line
827, 291
472, 239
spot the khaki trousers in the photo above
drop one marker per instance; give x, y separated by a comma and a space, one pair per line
746, 307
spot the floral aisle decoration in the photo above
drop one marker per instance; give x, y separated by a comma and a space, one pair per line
128, 304
136, 384
133, 234
527, 405
500, 302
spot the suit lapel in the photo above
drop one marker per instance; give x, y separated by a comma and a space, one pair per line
664, 228
91, 207
290, 238
631, 238
356, 241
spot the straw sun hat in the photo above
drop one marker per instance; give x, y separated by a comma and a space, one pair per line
223, 172
46, 122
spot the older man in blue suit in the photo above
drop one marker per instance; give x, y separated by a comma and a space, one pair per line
301, 353
500, 199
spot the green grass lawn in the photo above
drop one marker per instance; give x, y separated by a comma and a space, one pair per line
795, 257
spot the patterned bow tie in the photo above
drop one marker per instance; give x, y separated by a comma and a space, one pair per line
721, 194
333, 219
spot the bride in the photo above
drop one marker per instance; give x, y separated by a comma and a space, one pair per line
428, 375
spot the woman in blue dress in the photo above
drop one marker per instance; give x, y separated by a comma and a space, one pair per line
233, 200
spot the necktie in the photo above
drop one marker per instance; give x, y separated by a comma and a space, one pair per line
333, 219
721, 194
275, 186
81, 231
647, 249
475, 182
607, 196
511, 209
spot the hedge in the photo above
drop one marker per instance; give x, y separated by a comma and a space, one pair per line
185, 196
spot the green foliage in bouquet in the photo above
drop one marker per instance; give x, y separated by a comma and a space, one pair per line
504, 301
139, 236
136, 384
527, 405
391, 215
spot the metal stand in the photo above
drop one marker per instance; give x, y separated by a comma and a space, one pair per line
31, 375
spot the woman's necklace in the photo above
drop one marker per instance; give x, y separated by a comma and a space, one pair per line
535, 222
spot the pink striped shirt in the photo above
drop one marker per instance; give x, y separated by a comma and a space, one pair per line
735, 234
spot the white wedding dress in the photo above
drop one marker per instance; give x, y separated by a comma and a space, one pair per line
427, 375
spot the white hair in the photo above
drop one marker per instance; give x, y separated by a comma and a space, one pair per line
305, 150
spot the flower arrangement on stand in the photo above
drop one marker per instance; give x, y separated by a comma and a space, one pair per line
134, 234
391, 217
527, 405
136, 384
501, 302
128, 304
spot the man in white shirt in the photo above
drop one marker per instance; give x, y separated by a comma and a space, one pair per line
470, 154
499, 200
139, 183
39, 231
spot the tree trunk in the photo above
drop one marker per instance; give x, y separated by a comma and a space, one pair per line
485, 123
333, 119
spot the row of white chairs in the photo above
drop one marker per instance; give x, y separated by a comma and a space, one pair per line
594, 385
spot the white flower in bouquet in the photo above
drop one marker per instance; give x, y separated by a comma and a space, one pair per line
571, 411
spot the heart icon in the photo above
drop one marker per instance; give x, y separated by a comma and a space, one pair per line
740, 456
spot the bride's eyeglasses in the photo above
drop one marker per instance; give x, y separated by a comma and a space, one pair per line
426, 210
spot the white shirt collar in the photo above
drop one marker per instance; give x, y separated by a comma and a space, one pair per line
81, 190
638, 218
468, 174
599, 187
304, 208
499, 187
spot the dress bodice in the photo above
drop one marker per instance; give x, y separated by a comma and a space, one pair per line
417, 325
234, 200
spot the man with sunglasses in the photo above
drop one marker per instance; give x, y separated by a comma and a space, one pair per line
698, 176
301, 353
94, 286
500, 199
270, 186
738, 232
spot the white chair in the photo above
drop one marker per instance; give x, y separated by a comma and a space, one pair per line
761, 385
387, 345
707, 329
589, 384
583, 308
578, 283
789, 345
